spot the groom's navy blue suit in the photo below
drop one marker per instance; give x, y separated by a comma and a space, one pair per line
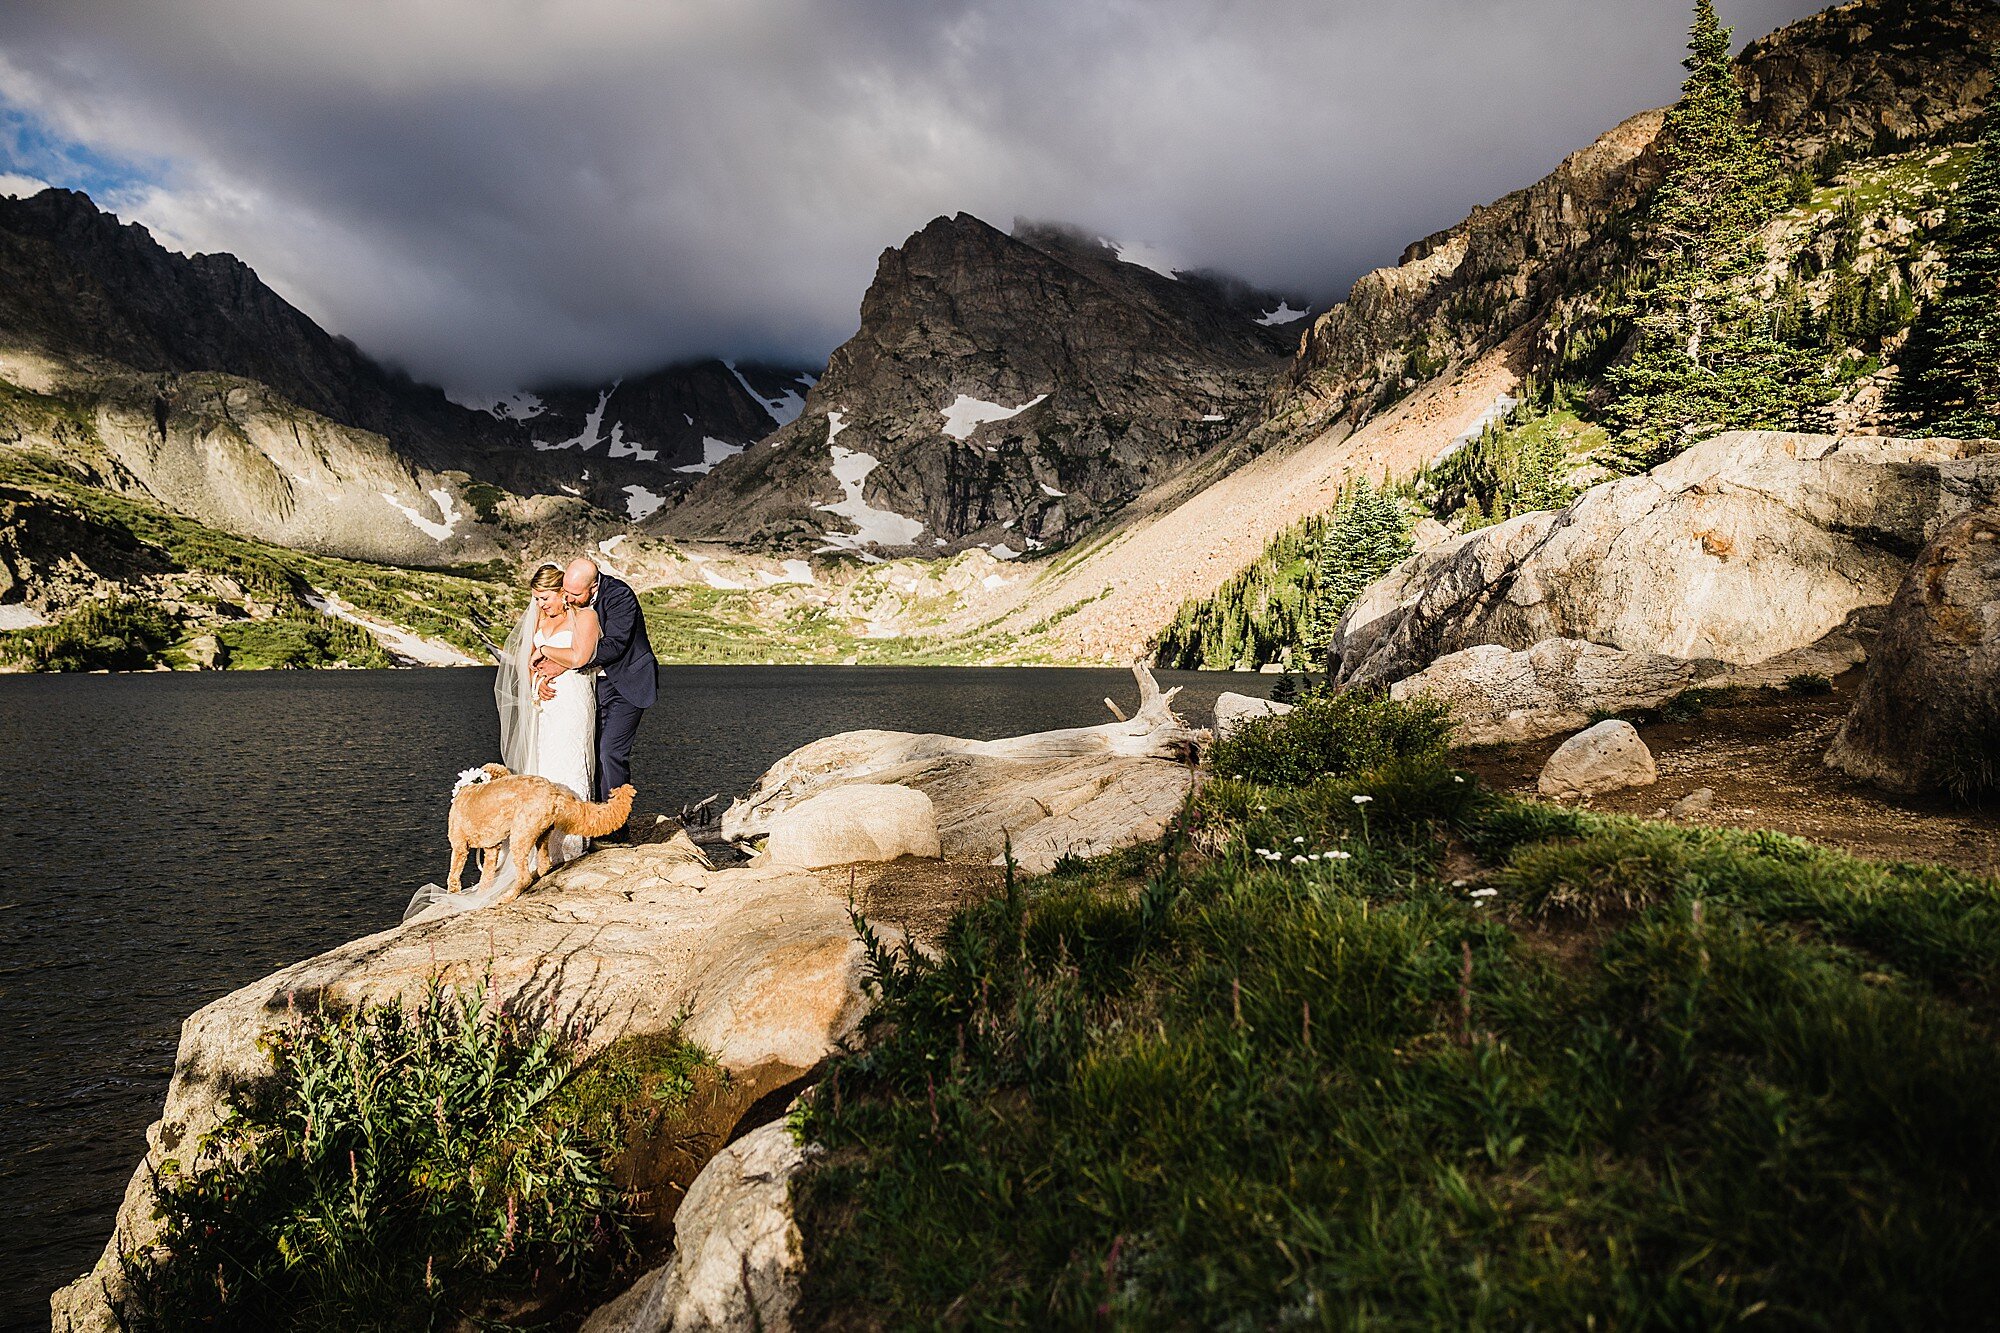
628, 680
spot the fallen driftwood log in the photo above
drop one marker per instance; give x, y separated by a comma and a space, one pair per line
1077, 791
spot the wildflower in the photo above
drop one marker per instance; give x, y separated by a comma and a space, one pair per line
1298, 860
1339, 856
1458, 884
1298, 839
1458, 777
1484, 893
1363, 799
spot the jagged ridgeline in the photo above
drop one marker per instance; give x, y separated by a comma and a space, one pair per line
1768, 276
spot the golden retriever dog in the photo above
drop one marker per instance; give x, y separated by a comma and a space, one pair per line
522, 812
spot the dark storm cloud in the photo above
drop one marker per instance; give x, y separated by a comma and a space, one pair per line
493, 192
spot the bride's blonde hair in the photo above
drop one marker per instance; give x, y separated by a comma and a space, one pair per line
545, 578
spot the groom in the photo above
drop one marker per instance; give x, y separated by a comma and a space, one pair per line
627, 676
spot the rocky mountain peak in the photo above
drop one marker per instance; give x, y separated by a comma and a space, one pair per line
1003, 389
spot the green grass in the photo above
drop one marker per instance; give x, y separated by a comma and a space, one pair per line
1434, 1059
298, 643
721, 626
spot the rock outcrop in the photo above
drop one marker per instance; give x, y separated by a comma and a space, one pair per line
1858, 77
1746, 550
737, 1251
1605, 758
759, 966
1002, 391
869, 821
1078, 791
1927, 718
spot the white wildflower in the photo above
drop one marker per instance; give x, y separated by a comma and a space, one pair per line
1485, 893
1340, 856
1363, 799
1298, 860
1458, 884
1297, 840
470, 777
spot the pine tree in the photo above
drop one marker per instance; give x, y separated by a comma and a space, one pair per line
1367, 536
1949, 381
1704, 360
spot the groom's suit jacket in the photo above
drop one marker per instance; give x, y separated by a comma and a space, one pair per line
624, 657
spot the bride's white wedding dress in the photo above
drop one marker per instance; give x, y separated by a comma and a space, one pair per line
566, 737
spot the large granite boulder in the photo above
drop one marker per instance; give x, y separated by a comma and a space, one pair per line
869, 821
1077, 791
1498, 695
1748, 547
758, 965
1605, 758
1928, 714
737, 1251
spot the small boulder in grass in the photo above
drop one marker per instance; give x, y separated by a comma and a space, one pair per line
1233, 710
1605, 758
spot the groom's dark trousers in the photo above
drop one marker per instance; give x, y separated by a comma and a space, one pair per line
627, 681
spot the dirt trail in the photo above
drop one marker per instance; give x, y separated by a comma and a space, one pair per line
1141, 576
1760, 754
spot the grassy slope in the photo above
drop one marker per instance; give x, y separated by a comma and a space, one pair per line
1659, 1076
447, 605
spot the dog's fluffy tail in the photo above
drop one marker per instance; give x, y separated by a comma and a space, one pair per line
594, 819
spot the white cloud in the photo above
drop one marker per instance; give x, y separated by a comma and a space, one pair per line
14, 183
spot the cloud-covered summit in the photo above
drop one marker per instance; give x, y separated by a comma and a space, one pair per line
498, 192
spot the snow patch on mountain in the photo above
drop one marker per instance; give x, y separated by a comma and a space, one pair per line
624, 448
430, 527
517, 406
873, 527
1284, 314
642, 503
713, 451
1145, 256
785, 408
966, 413
397, 640
593, 426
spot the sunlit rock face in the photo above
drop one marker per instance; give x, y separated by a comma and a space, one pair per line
1003, 391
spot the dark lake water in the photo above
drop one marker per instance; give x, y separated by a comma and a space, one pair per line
165, 839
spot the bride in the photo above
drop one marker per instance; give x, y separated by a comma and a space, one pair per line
551, 729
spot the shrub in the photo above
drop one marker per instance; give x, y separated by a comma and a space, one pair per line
1808, 683
401, 1165
298, 643
115, 635
1332, 736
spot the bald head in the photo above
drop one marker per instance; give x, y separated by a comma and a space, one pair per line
580, 580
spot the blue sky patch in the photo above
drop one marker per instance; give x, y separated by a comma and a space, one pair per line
29, 148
